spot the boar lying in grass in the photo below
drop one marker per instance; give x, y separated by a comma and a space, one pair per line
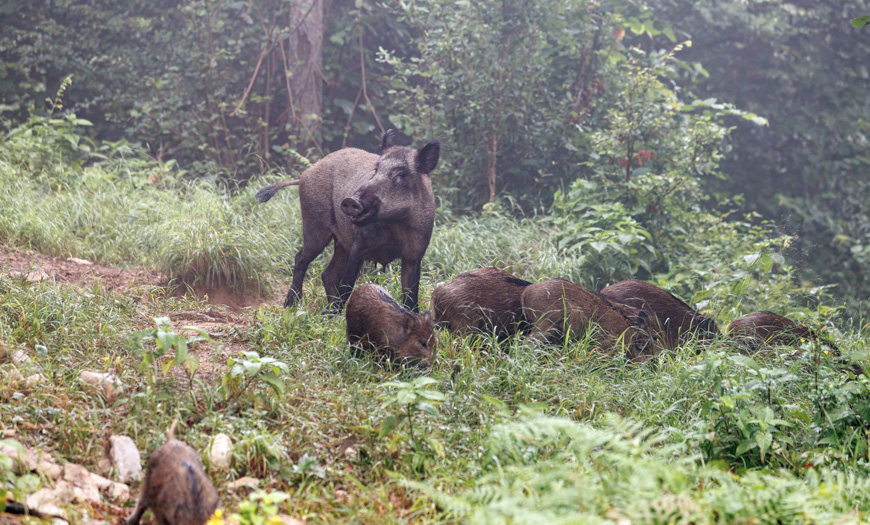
558, 308
767, 328
485, 300
376, 322
376, 207
674, 321
176, 487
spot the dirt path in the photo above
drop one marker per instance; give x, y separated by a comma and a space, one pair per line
222, 317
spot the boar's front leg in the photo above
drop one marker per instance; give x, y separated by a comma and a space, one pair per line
411, 269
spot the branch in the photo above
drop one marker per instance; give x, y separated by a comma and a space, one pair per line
362, 66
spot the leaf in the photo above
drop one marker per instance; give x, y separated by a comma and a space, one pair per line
860, 21
744, 446
764, 440
388, 424
436, 445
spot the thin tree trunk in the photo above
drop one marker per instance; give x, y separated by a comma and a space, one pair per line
304, 61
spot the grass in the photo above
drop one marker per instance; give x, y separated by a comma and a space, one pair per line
519, 432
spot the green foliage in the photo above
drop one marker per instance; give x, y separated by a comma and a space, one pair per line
249, 369
260, 508
14, 483
407, 400
166, 340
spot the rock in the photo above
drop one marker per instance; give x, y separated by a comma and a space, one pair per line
79, 261
221, 450
36, 276
125, 458
287, 520
20, 357
49, 469
4, 352
22, 459
8, 433
78, 482
47, 501
14, 377
31, 382
244, 482
105, 384
116, 491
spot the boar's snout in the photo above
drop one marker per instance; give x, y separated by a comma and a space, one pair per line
359, 211
352, 207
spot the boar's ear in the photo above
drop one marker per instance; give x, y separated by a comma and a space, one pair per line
427, 317
409, 321
386, 141
427, 158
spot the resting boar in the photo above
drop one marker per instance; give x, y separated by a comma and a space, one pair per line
375, 207
378, 323
486, 300
768, 328
557, 306
673, 319
176, 487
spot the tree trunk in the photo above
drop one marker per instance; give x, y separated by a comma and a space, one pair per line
304, 62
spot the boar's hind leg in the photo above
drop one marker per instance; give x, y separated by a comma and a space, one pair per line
333, 274
411, 282
311, 248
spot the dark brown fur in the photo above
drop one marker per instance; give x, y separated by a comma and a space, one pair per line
376, 207
486, 300
767, 328
557, 306
674, 320
378, 323
176, 487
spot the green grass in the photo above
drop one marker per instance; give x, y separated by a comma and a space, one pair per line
525, 432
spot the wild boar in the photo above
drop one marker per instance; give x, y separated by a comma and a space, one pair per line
557, 308
376, 207
176, 487
376, 322
674, 320
767, 328
486, 300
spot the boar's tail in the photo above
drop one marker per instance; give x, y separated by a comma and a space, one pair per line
171, 433
269, 191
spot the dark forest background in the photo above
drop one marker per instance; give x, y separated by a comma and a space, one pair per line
635, 114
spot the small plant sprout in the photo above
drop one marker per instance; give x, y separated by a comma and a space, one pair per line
249, 368
407, 399
261, 508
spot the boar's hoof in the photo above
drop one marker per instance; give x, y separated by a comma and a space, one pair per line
291, 298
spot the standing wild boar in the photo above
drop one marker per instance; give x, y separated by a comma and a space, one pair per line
377, 322
486, 300
674, 320
767, 328
556, 307
376, 208
176, 488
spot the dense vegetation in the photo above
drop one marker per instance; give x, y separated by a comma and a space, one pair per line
585, 140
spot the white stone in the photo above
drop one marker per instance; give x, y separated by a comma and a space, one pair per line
80, 483
31, 382
244, 482
83, 262
221, 452
125, 458
46, 501
105, 384
116, 491
19, 357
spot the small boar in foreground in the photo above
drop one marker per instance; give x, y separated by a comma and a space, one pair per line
558, 307
376, 207
674, 320
378, 323
176, 487
767, 328
486, 300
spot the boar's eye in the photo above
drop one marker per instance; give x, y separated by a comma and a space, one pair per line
424, 344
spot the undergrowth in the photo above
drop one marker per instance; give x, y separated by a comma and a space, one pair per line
501, 431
